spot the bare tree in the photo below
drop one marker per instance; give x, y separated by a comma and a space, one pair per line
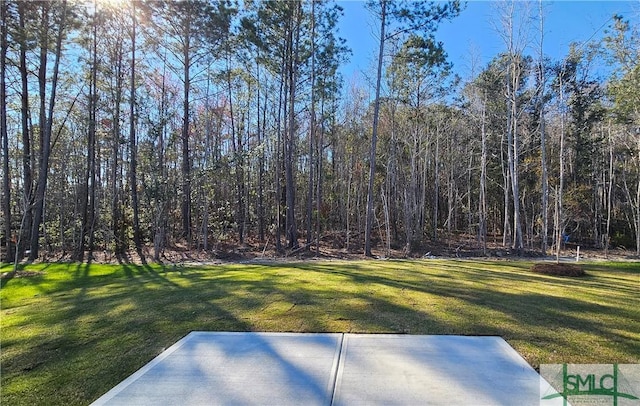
514, 35
543, 136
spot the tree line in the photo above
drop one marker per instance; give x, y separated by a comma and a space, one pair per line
162, 123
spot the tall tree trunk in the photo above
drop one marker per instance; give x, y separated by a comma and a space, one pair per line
165, 200
469, 211
94, 196
115, 200
451, 188
118, 212
348, 211
514, 152
238, 158
279, 153
47, 120
186, 156
6, 184
374, 134
482, 229
545, 183
637, 215
609, 192
159, 238
291, 229
436, 184
91, 167
387, 221
88, 187
423, 196
391, 178
261, 158
559, 220
92, 217
312, 126
133, 165
206, 165
320, 160
543, 140
27, 151
506, 186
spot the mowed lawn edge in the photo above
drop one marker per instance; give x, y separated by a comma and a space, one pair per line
74, 331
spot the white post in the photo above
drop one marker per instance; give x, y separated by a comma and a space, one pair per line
578, 254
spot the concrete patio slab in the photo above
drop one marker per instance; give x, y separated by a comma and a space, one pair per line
218, 368
433, 370
209, 368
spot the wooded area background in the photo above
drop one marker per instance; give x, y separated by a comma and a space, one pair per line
162, 123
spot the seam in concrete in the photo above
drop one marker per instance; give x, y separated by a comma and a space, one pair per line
339, 369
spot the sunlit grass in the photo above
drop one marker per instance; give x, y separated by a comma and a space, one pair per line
75, 331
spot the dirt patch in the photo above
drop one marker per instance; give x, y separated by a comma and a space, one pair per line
561, 269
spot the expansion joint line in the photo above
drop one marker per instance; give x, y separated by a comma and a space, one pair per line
337, 369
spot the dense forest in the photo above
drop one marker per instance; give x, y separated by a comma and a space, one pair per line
153, 124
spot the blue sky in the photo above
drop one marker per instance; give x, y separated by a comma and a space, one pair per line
474, 29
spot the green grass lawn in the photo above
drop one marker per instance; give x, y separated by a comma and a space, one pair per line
73, 332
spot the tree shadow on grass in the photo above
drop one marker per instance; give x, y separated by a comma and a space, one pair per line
611, 316
99, 327
103, 332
